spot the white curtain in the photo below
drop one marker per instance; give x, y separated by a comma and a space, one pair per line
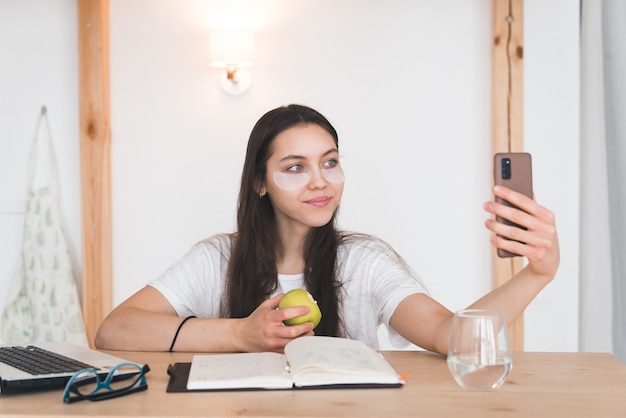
614, 54
603, 176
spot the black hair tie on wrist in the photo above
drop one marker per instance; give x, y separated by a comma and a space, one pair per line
178, 330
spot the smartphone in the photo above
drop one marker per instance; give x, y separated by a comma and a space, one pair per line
513, 170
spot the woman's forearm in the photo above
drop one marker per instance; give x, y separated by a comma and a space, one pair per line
134, 329
514, 296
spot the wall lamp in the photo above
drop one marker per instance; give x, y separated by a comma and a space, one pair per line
232, 50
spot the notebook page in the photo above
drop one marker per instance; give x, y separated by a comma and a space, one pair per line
329, 360
239, 371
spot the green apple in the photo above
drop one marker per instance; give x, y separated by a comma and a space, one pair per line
300, 297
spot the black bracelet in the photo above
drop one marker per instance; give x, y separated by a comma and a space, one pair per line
178, 330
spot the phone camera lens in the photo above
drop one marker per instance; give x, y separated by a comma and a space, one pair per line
506, 168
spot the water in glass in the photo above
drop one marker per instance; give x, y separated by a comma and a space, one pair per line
479, 356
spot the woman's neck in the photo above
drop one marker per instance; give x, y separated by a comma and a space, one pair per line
292, 260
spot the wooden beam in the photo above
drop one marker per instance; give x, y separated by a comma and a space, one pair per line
508, 59
95, 144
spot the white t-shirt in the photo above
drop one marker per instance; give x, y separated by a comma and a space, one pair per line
374, 281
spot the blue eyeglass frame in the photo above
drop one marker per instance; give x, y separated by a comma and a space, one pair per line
138, 384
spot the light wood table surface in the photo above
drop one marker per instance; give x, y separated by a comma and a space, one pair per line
540, 385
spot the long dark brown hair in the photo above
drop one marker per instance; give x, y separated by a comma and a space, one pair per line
252, 273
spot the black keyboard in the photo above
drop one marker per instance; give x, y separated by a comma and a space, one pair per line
37, 361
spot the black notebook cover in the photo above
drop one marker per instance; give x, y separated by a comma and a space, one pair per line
179, 372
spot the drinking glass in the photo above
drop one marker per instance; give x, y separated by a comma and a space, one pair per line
479, 355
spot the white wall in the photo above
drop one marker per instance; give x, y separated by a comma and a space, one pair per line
407, 85
39, 66
403, 111
552, 134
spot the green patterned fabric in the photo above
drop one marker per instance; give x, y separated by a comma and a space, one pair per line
45, 306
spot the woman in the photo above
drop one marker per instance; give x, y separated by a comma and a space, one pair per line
226, 290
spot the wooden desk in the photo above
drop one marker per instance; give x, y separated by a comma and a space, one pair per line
540, 385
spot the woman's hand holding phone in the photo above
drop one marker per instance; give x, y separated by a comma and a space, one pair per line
537, 241
521, 226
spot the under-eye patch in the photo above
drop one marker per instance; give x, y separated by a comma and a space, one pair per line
291, 180
296, 180
333, 175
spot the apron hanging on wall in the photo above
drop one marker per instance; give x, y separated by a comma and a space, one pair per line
44, 305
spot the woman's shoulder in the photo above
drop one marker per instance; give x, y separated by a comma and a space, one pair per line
350, 241
364, 251
218, 243
367, 247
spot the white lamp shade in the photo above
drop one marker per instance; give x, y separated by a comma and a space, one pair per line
231, 48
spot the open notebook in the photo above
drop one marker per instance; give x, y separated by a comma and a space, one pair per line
308, 363
23, 368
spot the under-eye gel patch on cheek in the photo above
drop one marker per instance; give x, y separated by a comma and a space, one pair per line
291, 181
333, 175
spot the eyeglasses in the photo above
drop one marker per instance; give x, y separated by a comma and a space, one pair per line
123, 379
